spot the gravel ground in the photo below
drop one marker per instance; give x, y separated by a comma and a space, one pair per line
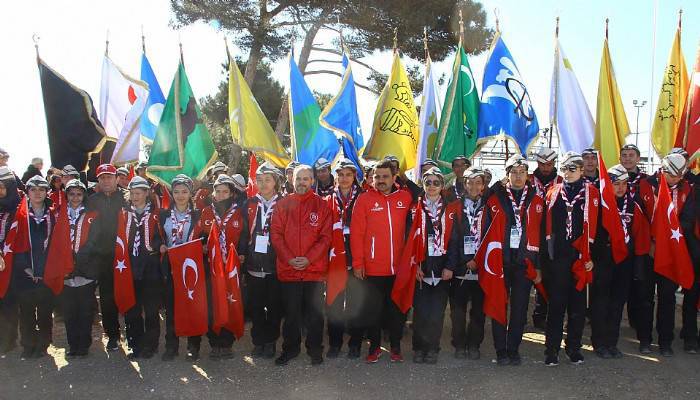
112, 376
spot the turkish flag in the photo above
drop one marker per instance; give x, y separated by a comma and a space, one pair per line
337, 266
611, 216
16, 241
189, 288
59, 259
688, 136
124, 296
234, 298
252, 188
531, 274
412, 256
165, 200
218, 280
671, 257
489, 259
583, 243
132, 173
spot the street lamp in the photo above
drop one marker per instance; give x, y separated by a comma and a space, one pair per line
638, 104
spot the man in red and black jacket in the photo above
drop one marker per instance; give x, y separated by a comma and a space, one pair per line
301, 236
377, 238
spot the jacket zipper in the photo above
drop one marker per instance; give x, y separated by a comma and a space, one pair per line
372, 249
391, 237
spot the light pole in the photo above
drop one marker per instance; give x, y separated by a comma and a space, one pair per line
638, 104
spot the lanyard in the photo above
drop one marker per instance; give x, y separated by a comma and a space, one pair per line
265, 214
435, 220
625, 218
570, 209
470, 212
518, 207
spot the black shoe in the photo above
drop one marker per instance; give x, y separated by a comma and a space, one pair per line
39, 353
317, 358
258, 350
431, 357
134, 355
603, 353
615, 352
27, 353
71, 354
418, 357
215, 353
540, 324
515, 358
473, 353
644, 348
575, 357
112, 344
285, 357
269, 350
502, 358
192, 355
169, 355
666, 351
333, 352
226, 353
460, 354
551, 360
690, 348
354, 352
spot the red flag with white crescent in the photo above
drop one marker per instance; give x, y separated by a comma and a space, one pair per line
413, 255
189, 289
219, 300
489, 259
252, 188
165, 200
611, 219
234, 298
124, 296
59, 259
16, 241
337, 266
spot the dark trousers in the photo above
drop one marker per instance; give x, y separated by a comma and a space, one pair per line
689, 332
564, 299
463, 292
108, 309
143, 319
78, 314
609, 293
378, 310
645, 286
344, 314
303, 307
508, 339
35, 317
429, 304
265, 308
9, 322
539, 313
172, 342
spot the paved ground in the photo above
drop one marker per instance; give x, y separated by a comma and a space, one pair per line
111, 376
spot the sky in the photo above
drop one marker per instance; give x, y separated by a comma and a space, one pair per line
72, 36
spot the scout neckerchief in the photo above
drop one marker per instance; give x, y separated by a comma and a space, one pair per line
140, 221
177, 229
570, 208
437, 221
39, 219
344, 203
266, 212
518, 207
222, 226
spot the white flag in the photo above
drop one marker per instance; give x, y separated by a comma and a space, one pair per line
122, 100
568, 110
429, 118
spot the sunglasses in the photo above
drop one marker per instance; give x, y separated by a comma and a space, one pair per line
435, 183
570, 168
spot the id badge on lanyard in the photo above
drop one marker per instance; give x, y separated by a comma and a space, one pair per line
515, 233
261, 243
470, 245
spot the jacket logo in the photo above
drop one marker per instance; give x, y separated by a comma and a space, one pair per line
539, 209
451, 215
595, 202
377, 207
313, 217
236, 224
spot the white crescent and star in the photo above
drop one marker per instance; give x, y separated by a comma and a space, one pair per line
489, 248
675, 233
190, 263
121, 266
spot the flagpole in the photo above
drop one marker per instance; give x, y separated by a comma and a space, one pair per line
650, 155
35, 39
461, 27
182, 58
556, 86
396, 40
143, 41
107, 44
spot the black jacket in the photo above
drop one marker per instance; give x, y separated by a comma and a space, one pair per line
107, 208
35, 259
31, 172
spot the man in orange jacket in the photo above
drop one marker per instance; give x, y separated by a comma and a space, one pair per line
377, 238
301, 236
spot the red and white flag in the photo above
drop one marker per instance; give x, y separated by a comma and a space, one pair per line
234, 298
59, 259
337, 266
219, 300
611, 220
252, 188
489, 259
412, 256
124, 296
16, 241
583, 243
189, 288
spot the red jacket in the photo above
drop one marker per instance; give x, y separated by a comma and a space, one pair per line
301, 227
378, 231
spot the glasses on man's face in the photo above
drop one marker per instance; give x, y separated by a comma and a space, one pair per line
435, 183
570, 168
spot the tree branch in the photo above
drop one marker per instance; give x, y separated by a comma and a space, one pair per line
336, 52
323, 60
280, 6
338, 74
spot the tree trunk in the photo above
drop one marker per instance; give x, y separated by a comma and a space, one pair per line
251, 66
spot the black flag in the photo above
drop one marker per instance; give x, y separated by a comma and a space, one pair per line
71, 121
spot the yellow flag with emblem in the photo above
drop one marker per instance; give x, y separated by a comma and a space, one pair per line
395, 129
674, 90
249, 127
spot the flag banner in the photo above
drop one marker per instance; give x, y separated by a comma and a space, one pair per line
489, 259
249, 127
568, 111
252, 187
59, 259
338, 264
124, 295
395, 128
611, 218
611, 121
72, 125
413, 255
506, 109
182, 144
310, 140
457, 132
234, 298
689, 127
189, 289
219, 302
341, 117
16, 241
428, 119
155, 103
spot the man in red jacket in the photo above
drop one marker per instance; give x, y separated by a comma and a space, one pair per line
301, 236
377, 238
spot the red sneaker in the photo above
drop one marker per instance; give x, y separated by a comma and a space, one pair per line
374, 356
396, 356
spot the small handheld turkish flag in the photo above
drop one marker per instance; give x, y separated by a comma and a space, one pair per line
219, 301
252, 188
611, 219
16, 241
189, 288
236, 321
59, 260
489, 259
124, 296
413, 255
337, 266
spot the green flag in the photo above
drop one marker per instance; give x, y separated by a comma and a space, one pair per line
460, 112
182, 144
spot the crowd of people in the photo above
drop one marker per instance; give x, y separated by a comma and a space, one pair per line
283, 238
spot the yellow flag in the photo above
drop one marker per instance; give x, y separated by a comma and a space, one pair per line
674, 90
249, 127
395, 129
611, 121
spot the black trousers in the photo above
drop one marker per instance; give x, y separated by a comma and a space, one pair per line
564, 299
35, 317
9, 321
429, 303
265, 308
108, 309
539, 313
508, 339
303, 307
689, 332
463, 292
609, 293
646, 286
344, 315
143, 320
78, 314
378, 310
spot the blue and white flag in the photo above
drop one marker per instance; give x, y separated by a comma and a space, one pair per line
341, 117
506, 109
154, 104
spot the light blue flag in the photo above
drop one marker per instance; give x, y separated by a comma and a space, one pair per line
340, 116
310, 141
505, 103
154, 105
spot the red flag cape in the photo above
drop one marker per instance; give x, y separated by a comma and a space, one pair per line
611, 216
16, 241
489, 259
59, 259
671, 257
189, 288
412, 256
337, 266
165, 200
583, 243
252, 188
132, 172
234, 298
218, 281
531, 274
124, 296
